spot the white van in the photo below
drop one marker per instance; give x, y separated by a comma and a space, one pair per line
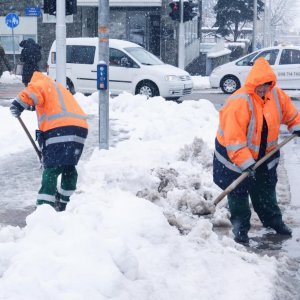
131, 69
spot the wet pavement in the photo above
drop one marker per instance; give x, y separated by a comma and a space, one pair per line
9, 91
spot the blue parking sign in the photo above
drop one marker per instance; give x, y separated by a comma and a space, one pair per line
12, 20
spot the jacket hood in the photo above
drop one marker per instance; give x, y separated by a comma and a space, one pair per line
260, 73
23, 43
27, 43
37, 76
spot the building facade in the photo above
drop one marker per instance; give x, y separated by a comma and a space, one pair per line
145, 22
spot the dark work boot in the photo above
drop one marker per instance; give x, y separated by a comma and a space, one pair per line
60, 206
241, 237
281, 228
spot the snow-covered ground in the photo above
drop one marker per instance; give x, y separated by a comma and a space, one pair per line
132, 233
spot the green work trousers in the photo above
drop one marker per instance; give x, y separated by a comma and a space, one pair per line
48, 191
264, 201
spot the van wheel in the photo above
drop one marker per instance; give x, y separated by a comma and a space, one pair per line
147, 88
70, 86
229, 84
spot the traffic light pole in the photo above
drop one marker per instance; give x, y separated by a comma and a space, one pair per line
61, 42
103, 35
254, 25
181, 39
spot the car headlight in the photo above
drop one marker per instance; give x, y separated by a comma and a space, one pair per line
171, 78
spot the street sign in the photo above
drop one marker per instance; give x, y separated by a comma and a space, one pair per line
12, 20
32, 11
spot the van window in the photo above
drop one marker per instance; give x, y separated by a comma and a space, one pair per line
118, 58
80, 54
289, 56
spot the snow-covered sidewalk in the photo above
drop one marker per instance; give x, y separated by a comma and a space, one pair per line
115, 240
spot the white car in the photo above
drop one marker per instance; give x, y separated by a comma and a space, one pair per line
131, 69
285, 61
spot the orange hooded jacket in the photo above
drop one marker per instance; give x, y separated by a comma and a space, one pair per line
54, 104
241, 119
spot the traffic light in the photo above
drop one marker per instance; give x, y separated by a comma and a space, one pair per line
190, 10
175, 11
71, 7
50, 7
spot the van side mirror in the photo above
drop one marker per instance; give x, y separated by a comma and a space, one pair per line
250, 63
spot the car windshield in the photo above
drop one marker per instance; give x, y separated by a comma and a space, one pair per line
246, 60
144, 57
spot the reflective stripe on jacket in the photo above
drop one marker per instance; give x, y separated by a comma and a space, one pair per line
240, 127
55, 105
241, 119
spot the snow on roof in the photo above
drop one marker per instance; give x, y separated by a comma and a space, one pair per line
235, 44
218, 53
122, 3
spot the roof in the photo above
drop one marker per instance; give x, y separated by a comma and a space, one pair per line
94, 40
122, 3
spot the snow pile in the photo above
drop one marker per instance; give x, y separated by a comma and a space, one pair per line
112, 242
10, 78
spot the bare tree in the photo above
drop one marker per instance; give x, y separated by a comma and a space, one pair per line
208, 14
282, 12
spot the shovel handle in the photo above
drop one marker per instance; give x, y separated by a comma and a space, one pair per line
38, 152
244, 175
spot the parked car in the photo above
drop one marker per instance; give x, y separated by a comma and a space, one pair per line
285, 61
131, 69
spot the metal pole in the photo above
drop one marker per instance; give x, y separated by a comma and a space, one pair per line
181, 39
265, 24
200, 21
254, 25
103, 34
13, 44
271, 28
61, 42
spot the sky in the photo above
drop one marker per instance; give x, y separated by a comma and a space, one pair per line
115, 241
296, 9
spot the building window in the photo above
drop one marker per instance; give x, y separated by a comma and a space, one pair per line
27, 28
117, 28
137, 28
7, 42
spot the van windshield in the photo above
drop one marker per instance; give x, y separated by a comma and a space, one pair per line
144, 57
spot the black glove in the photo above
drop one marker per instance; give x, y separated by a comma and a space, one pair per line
251, 171
297, 132
16, 109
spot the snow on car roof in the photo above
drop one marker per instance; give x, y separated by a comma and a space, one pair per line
93, 40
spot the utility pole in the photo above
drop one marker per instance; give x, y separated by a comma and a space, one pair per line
103, 73
200, 20
181, 39
254, 25
61, 42
265, 25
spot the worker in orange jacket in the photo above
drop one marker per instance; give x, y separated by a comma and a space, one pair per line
249, 127
62, 132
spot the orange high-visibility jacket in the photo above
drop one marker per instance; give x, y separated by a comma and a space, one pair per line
54, 104
241, 119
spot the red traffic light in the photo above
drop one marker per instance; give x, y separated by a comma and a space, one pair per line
175, 11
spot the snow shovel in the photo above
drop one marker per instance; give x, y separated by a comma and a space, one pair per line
244, 175
38, 152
